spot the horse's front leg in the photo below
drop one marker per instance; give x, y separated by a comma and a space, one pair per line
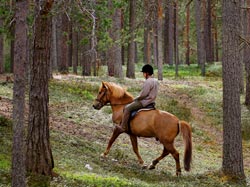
134, 142
116, 133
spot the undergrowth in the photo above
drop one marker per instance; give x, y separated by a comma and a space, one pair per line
77, 156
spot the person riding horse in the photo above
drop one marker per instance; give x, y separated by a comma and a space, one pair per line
146, 97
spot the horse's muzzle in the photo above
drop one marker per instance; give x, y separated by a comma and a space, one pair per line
97, 105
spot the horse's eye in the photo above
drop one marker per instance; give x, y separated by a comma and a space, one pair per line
100, 92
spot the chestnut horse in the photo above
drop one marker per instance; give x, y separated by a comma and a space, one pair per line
154, 123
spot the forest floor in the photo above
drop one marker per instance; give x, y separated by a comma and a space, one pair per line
79, 134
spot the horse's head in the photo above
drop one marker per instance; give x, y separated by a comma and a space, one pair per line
102, 98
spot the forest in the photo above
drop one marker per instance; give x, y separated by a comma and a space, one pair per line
63, 63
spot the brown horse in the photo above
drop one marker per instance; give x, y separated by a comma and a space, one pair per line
154, 123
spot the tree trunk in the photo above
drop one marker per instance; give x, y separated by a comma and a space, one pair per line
114, 52
86, 60
93, 40
147, 41
39, 155
69, 43
160, 39
232, 164
18, 158
176, 38
165, 33
75, 50
216, 43
1, 49
62, 50
131, 45
54, 55
201, 55
154, 20
246, 54
208, 32
12, 33
171, 32
12, 53
187, 35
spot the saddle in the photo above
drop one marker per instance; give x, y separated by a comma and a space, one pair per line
151, 106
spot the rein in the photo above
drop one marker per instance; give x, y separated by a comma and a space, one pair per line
110, 104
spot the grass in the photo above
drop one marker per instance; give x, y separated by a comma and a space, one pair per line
76, 155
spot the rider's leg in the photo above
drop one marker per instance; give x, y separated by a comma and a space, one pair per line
135, 105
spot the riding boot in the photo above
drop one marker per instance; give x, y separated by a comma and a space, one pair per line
123, 127
125, 119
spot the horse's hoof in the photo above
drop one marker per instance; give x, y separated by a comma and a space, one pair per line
103, 155
144, 166
151, 167
178, 173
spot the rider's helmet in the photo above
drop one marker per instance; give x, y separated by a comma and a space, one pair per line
147, 69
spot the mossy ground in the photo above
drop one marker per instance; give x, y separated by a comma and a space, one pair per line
79, 134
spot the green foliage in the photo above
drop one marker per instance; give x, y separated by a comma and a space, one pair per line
94, 180
208, 100
245, 122
38, 180
214, 70
184, 71
4, 121
5, 150
171, 105
82, 89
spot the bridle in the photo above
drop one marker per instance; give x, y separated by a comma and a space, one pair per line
103, 103
100, 100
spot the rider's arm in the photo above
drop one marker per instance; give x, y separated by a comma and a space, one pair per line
144, 92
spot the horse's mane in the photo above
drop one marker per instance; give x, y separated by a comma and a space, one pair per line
117, 90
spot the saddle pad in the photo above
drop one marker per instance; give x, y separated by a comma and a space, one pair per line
133, 113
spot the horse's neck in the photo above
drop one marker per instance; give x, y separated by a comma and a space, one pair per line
117, 106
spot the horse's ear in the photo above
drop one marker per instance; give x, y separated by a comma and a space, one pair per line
104, 85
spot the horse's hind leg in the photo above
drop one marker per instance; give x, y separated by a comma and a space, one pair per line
157, 160
116, 133
135, 148
170, 147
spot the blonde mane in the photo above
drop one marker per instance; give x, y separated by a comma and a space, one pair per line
117, 91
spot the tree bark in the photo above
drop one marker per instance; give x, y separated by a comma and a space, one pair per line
171, 32
86, 60
75, 50
62, 50
187, 35
20, 48
165, 33
208, 32
160, 39
176, 38
131, 45
39, 155
114, 52
1, 49
201, 55
54, 56
216, 43
232, 164
70, 43
147, 34
246, 53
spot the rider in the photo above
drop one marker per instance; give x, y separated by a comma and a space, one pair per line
147, 96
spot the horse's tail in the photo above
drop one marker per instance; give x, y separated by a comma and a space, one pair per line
186, 132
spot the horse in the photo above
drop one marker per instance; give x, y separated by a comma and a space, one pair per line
156, 123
